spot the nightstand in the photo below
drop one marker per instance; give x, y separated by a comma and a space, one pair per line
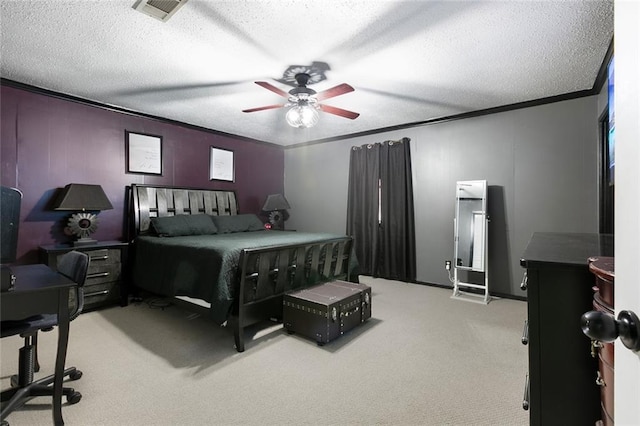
105, 283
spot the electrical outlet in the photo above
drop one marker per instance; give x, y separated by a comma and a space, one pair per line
447, 265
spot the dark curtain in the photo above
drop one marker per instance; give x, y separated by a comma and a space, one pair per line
385, 238
362, 204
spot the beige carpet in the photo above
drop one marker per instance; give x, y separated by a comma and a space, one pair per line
422, 359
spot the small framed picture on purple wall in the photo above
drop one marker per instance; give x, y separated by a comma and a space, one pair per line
221, 165
144, 153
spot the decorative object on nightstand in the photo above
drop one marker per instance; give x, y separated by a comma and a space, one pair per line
87, 199
277, 207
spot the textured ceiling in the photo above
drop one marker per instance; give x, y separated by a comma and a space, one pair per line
409, 61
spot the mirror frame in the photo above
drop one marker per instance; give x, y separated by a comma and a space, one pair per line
472, 190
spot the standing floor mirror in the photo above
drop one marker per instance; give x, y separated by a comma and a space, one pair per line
470, 242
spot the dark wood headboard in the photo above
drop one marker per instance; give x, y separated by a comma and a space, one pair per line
147, 201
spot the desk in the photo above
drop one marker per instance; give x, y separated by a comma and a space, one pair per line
41, 290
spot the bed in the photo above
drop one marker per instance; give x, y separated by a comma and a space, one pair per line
193, 244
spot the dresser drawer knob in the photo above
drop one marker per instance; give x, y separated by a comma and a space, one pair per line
524, 283
525, 333
525, 399
96, 293
99, 274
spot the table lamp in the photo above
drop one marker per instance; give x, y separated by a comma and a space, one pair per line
276, 205
86, 201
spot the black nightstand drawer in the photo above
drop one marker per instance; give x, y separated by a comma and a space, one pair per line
100, 294
102, 274
105, 282
104, 256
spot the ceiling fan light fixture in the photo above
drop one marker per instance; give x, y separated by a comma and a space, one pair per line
304, 103
302, 115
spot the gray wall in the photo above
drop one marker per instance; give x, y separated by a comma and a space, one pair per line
541, 165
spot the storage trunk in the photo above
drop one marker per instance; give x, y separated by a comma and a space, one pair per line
326, 311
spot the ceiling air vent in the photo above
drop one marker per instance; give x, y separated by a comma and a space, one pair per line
159, 9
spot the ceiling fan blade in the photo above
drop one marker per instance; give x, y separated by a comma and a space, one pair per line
273, 88
339, 111
263, 108
340, 89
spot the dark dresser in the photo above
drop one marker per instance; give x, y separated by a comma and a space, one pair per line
603, 301
105, 283
562, 387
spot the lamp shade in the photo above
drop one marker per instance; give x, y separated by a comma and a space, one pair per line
78, 196
275, 202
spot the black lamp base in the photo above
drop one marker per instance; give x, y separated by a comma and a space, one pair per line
81, 242
83, 225
277, 218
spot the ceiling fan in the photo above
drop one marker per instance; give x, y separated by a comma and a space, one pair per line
304, 103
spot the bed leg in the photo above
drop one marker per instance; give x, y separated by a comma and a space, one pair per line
238, 334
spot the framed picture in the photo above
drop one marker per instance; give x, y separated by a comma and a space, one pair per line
221, 165
144, 153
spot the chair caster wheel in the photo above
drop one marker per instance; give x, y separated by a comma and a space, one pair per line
74, 397
75, 375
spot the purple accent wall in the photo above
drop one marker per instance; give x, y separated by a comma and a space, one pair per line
49, 142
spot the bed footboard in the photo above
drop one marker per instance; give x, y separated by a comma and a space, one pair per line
267, 273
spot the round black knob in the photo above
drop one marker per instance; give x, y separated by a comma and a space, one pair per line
629, 326
600, 326
605, 328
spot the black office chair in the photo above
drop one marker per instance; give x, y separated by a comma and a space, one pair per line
74, 265
10, 200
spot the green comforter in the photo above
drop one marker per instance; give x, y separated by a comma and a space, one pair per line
205, 266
